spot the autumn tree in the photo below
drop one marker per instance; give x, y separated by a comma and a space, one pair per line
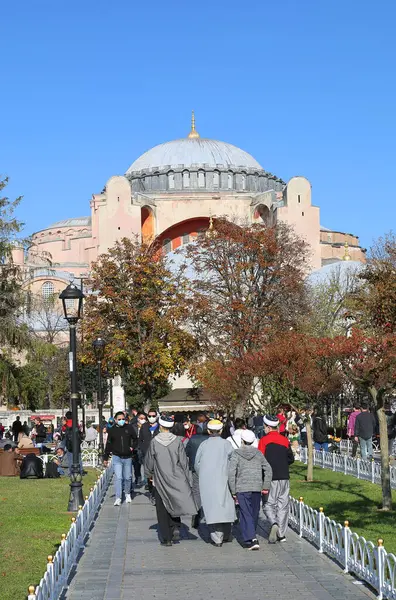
248, 286
139, 307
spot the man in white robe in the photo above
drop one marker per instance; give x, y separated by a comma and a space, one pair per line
211, 464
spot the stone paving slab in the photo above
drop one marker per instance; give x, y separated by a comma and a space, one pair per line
123, 560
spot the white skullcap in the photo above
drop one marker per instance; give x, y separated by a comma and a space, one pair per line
166, 422
248, 436
271, 421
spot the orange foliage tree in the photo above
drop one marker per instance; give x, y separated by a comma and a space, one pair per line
248, 287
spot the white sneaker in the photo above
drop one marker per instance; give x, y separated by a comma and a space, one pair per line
128, 498
117, 502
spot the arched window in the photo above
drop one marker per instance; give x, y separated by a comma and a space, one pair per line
186, 238
186, 179
171, 180
167, 246
243, 181
230, 180
47, 290
201, 179
216, 179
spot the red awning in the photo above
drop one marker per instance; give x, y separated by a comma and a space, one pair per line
42, 417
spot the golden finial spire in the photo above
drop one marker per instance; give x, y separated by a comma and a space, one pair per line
193, 133
211, 232
346, 253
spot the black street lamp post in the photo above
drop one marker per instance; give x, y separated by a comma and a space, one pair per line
72, 300
111, 374
99, 347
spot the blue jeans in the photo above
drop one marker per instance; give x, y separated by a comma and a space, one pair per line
324, 446
366, 447
122, 474
70, 461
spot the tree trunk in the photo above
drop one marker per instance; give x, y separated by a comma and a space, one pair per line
310, 450
384, 445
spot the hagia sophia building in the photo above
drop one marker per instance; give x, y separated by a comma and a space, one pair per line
169, 193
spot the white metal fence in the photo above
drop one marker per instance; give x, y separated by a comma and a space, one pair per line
371, 563
370, 470
55, 578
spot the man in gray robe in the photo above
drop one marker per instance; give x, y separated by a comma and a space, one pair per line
211, 464
166, 465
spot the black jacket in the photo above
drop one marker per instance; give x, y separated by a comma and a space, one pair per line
32, 467
192, 448
276, 449
365, 425
120, 442
319, 429
41, 433
145, 437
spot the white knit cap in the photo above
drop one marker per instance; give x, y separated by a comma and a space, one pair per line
247, 436
271, 421
166, 422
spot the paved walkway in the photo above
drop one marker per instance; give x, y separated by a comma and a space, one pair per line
123, 560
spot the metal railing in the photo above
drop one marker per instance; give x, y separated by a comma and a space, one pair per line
56, 576
369, 470
370, 563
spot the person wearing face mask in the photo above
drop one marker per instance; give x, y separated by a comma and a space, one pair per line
137, 458
189, 430
148, 431
120, 443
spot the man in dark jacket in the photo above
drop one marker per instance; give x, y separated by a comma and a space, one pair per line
276, 449
41, 432
364, 430
120, 443
191, 450
147, 432
17, 428
319, 430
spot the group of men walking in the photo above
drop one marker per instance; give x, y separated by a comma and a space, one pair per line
204, 475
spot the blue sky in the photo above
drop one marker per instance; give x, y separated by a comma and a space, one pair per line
307, 87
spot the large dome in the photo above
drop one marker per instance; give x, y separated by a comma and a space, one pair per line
194, 151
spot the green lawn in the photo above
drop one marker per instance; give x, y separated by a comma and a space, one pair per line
32, 519
345, 498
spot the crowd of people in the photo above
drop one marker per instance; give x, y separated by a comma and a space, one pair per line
213, 469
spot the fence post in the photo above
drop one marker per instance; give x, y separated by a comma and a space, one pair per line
372, 470
300, 515
323, 459
32, 592
381, 567
50, 570
358, 467
321, 519
347, 533
334, 460
345, 464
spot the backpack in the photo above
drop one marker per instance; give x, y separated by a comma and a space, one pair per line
51, 471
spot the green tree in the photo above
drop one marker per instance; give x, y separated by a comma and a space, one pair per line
140, 308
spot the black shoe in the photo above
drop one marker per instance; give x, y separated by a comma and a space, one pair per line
176, 535
217, 545
168, 544
195, 521
281, 538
